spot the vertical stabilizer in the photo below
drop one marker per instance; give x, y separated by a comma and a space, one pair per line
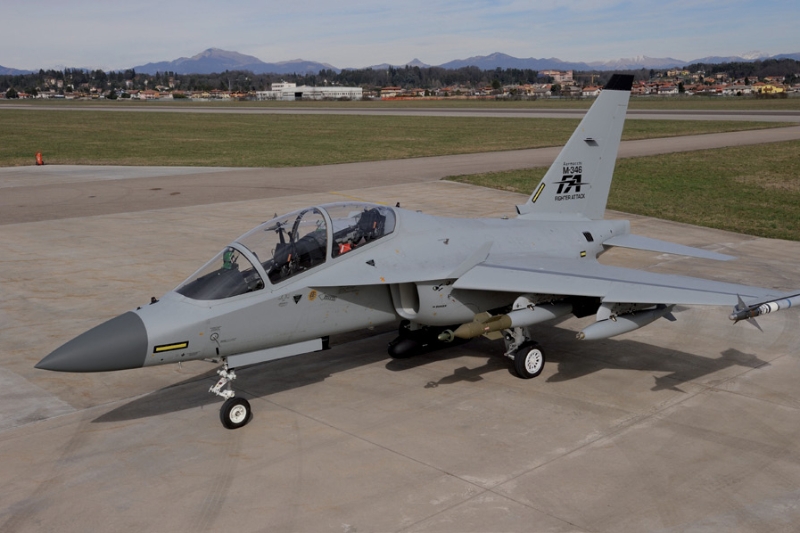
577, 184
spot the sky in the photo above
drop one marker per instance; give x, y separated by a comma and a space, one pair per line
115, 35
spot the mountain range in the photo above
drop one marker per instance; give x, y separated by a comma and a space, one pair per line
214, 60
5, 71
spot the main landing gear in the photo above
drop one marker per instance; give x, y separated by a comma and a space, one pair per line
235, 412
526, 353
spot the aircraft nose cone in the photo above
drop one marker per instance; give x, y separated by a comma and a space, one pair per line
118, 344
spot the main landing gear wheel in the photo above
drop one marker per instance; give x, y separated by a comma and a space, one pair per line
235, 413
529, 360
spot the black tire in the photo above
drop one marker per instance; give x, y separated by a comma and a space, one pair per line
403, 348
529, 360
235, 413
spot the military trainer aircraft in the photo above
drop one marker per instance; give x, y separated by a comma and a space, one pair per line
282, 288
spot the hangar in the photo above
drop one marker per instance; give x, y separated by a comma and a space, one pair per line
290, 91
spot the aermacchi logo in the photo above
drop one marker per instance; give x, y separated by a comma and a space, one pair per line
569, 188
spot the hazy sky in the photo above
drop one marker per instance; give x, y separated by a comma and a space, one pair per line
115, 35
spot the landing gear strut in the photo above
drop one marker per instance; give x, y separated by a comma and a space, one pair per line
527, 355
235, 412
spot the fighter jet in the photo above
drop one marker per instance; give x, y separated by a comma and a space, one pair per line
284, 287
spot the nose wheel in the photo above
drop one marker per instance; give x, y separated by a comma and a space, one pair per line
235, 412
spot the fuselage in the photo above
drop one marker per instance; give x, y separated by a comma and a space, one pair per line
281, 284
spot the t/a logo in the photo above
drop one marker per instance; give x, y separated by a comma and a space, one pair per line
568, 182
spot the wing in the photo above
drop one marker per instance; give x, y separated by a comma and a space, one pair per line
587, 277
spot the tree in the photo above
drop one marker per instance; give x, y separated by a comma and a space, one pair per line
555, 89
681, 88
12, 93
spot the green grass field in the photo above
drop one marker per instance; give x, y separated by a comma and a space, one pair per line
752, 189
246, 140
748, 189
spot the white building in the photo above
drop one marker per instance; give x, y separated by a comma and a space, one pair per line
559, 76
290, 91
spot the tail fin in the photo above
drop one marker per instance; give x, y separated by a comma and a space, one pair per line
577, 184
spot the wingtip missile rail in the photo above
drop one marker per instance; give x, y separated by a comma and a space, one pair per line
745, 312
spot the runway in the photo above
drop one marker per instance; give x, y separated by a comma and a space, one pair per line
216, 108
685, 426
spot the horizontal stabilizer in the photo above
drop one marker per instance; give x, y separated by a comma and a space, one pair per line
637, 242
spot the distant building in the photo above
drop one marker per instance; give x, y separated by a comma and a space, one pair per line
559, 76
542, 91
391, 92
767, 88
290, 91
674, 73
592, 90
737, 89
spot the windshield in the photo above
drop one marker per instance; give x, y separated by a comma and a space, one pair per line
289, 245
228, 274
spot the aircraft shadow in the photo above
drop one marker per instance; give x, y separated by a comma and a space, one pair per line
254, 381
574, 359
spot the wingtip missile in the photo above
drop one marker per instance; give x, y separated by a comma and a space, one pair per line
742, 311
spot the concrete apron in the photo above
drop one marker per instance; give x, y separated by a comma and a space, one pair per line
691, 425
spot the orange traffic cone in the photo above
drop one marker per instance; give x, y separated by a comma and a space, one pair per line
39, 160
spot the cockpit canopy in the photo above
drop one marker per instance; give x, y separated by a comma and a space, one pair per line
287, 246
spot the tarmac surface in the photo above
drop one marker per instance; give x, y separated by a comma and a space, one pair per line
685, 426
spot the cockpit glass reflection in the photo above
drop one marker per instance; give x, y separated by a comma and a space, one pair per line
356, 224
289, 245
228, 274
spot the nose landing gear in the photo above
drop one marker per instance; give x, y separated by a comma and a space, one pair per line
235, 412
